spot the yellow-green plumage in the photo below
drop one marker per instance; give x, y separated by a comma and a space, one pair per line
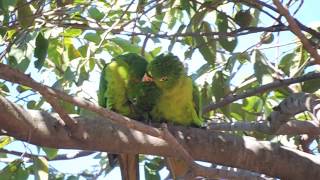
176, 103
117, 77
119, 84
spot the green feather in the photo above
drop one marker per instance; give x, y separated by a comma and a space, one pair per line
176, 102
119, 83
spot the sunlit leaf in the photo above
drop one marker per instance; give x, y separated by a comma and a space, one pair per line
21, 88
41, 168
253, 104
5, 140
73, 53
14, 170
72, 32
50, 152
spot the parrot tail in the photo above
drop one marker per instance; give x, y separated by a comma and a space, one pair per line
129, 165
178, 168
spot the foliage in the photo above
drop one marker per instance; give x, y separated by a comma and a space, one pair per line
65, 43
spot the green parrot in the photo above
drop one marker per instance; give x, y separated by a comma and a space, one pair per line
120, 85
176, 102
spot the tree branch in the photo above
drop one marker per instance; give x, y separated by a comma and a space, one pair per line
38, 127
264, 88
14, 75
297, 31
279, 121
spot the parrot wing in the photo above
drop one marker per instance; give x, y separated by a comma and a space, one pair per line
177, 103
117, 92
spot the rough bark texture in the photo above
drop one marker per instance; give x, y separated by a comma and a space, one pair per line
41, 128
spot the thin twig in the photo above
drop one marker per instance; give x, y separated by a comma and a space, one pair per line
297, 31
57, 158
264, 88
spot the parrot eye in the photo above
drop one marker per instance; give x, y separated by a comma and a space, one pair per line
164, 78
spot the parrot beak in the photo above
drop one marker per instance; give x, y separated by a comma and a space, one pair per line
147, 78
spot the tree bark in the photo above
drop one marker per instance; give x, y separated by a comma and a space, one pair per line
41, 128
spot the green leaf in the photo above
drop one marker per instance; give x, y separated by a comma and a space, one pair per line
173, 41
93, 37
222, 22
41, 168
4, 88
21, 88
83, 50
207, 45
311, 86
206, 96
201, 71
286, 63
170, 17
14, 170
4, 140
84, 75
126, 45
294, 63
41, 50
95, 13
69, 75
92, 63
12, 61
55, 51
31, 104
156, 24
25, 14
253, 104
72, 32
236, 111
152, 168
262, 71
23, 65
50, 152
220, 85
228, 44
196, 21
73, 53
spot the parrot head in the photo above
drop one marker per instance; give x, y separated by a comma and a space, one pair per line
165, 70
137, 65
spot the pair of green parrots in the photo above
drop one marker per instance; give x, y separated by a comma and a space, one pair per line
156, 91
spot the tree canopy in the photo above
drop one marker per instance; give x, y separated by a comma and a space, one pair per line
255, 63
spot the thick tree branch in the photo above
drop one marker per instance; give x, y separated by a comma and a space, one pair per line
292, 127
38, 127
16, 76
279, 121
264, 88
